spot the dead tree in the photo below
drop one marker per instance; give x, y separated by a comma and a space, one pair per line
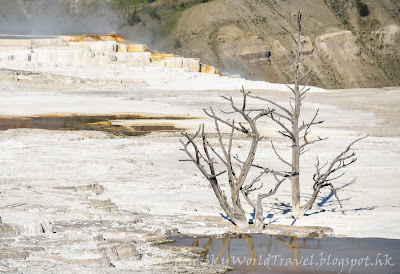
297, 133
206, 157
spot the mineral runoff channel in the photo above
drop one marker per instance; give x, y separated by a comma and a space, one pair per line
131, 125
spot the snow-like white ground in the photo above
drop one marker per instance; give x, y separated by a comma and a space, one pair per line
155, 77
55, 176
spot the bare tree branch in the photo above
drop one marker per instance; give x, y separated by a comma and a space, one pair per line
212, 115
279, 157
322, 178
291, 35
308, 125
287, 57
272, 191
305, 74
273, 103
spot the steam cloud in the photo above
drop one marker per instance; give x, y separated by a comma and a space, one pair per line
57, 17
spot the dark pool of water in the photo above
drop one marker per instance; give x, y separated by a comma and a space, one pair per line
87, 122
151, 128
259, 253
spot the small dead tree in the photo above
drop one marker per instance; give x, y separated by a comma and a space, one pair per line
206, 156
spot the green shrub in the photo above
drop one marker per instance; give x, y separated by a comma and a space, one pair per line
133, 18
363, 9
177, 44
153, 14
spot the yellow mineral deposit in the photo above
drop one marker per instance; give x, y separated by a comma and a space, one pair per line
158, 56
89, 50
209, 69
136, 48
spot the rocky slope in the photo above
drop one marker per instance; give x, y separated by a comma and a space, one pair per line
237, 35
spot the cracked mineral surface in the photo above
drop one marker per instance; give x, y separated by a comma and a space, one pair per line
92, 201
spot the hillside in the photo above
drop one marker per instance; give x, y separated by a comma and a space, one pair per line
236, 35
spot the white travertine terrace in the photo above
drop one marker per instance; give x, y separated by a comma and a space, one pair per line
88, 51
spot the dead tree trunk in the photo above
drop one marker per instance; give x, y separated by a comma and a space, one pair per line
295, 179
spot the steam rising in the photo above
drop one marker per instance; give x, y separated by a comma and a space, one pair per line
57, 17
